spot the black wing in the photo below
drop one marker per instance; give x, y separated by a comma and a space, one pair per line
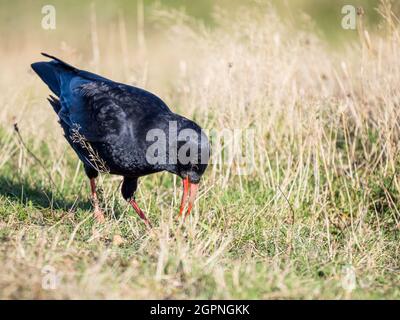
103, 110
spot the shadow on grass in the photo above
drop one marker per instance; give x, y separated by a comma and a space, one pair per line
44, 198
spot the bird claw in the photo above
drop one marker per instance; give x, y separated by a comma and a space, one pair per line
148, 223
99, 215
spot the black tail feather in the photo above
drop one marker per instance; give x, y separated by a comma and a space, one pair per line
51, 71
64, 64
46, 71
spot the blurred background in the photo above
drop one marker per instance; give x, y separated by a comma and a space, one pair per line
22, 18
79, 23
137, 34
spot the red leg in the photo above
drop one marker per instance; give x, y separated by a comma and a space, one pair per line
98, 213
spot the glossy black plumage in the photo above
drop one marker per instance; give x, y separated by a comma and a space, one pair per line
114, 119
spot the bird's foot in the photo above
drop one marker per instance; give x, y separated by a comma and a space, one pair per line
99, 215
148, 223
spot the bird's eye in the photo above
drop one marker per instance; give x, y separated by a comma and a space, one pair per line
195, 167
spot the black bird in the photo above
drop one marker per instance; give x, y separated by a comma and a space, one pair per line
123, 130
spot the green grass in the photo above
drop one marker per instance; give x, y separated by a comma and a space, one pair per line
238, 244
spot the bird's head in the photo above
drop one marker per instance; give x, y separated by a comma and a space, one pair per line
193, 153
181, 147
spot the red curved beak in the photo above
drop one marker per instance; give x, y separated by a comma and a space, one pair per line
189, 189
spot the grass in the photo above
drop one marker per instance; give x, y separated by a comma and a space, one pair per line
323, 197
